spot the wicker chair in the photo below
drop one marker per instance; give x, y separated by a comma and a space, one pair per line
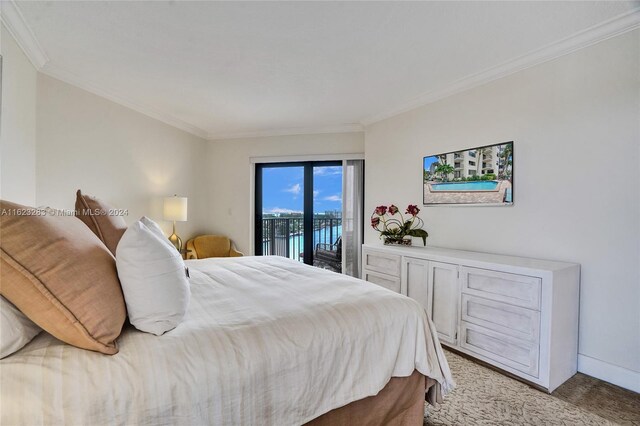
205, 246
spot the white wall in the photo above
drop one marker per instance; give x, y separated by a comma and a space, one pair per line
119, 155
18, 126
575, 123
229, 162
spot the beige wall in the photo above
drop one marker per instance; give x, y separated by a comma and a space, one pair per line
18, 126
229, 162
124, 157
575, 123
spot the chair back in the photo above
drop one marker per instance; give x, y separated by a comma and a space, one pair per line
212, 246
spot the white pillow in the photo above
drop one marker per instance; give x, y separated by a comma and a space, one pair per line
154, 283
16, 330
155, 228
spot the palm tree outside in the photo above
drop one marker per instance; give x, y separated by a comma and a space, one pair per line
444, 170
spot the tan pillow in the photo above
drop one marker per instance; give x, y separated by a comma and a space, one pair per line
61, 276
96, 215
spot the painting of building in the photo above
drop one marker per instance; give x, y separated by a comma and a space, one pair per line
475, 176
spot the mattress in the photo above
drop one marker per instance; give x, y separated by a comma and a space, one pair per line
266, 340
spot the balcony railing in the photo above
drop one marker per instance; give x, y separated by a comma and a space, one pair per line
285, 236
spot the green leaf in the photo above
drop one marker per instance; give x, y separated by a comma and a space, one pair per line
421, 233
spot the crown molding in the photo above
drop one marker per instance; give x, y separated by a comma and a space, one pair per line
605, 30
345, 128
77, 81
15, 23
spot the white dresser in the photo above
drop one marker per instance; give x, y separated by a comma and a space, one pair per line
515, 313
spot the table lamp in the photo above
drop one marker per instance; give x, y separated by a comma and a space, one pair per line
175, 209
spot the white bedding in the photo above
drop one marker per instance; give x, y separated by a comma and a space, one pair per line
266, 340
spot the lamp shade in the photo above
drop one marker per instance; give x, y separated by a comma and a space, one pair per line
175, 208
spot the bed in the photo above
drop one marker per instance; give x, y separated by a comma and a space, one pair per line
266, 340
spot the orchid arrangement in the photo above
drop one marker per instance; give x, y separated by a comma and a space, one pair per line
392, 224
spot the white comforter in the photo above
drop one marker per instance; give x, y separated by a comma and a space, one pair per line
266, 341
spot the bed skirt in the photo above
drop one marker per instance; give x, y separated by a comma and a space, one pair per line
400, 402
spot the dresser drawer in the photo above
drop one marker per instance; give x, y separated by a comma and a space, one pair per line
382, 262
519, 290
386, 281
518, 354
515, 321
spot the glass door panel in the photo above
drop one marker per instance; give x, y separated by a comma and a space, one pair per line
327, 216
282, 213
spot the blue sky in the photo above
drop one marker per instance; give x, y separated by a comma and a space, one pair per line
428, 161
283, 189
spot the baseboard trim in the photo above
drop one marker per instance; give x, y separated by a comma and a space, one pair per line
614, 374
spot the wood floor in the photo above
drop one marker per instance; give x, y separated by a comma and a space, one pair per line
601, 398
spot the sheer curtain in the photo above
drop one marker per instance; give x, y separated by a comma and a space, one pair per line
352, 216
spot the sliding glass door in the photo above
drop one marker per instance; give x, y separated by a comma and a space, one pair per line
299, 212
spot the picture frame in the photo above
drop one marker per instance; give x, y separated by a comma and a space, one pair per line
481, 176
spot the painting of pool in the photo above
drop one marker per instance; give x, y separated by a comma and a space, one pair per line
482, 185
476, 176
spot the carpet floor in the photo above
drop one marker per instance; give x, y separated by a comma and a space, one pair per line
486, 397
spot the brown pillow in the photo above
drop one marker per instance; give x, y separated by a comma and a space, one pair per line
61, 276
98, 217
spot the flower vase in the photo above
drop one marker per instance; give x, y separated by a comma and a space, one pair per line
391, 241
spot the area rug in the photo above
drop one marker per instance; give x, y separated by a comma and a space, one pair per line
485, 397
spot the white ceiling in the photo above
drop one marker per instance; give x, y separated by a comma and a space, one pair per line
238, 68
